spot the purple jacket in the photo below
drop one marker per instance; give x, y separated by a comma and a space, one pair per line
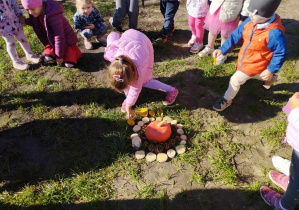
59, 33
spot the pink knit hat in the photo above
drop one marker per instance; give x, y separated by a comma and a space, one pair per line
30, 4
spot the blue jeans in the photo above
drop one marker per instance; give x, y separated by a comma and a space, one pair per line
88, 33
291, 197
122, 8
168, 9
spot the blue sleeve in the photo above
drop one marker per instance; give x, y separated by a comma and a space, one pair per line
234, 38
98, 19
277, 44
77, 22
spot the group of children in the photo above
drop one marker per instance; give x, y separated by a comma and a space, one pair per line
131, 55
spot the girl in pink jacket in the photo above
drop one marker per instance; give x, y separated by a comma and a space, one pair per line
132, 60
289, 183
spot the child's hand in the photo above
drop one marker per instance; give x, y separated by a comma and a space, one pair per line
217, 53
59, 61
130, 113
22, 19
90, 26
266, 75
294, 101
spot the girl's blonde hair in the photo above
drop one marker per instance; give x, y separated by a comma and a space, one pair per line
79, 2
122, 72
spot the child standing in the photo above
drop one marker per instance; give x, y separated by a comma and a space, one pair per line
263, 51
11, 28
132, 61
223, 17
122, 8
289, 183
53, 30
88, 22
168, 9
197, 10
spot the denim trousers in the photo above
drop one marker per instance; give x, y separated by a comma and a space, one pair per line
168, 9
88, 33
122, 8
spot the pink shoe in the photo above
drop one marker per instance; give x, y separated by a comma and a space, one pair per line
279, 179
271, 197
123, 107
20, 65
171, 96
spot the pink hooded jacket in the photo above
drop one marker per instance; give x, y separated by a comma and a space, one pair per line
139, 48
292, 134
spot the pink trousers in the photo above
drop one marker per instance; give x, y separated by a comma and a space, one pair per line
196, 26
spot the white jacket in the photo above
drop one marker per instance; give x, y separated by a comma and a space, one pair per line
197, 8
230, 9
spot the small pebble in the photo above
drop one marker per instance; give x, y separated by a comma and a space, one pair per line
145, 120
139, 154
158, 119
171, 153
136, 128
136, 142
167, 119
150, 157
133, 135
173, 122
180, 131
140, 123
162, 157
152, 119
180, 149
184, 137
180, 126
183, 142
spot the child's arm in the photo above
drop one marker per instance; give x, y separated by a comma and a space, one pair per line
77, 23
234, 39
56, 25
98, 19
277, 44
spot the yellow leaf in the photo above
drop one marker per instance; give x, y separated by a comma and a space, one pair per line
152, 113
142, 112
160, 112
131, 121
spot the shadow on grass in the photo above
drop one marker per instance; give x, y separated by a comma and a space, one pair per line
108, 97
43, 149
207, 199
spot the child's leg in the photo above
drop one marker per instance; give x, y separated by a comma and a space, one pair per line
223, 39
133, 13
238, 79
11, 48
170, 11
120, 13
87, 33
199, 22
191, 22
157, 85
211, 40
99, 32
291, 197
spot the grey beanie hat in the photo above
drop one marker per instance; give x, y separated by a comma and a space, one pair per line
263, 8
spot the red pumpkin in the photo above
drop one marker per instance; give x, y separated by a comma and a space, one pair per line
158, 134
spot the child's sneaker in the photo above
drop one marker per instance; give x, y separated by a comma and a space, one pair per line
88, 44
33, 58
69, 65
206, 51
271, 197
221, 105
281, 164
279, 179
192, 41
196, 47
123, 107
20, 65
220, 59
47, 58
171, 96
102, 40
268, 84
115, 28
172, 31
162, 39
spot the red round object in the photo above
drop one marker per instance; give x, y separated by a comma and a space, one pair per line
158, 134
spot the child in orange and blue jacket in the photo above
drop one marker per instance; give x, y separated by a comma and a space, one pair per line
263, 51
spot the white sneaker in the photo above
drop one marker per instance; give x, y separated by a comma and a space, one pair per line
192, 41
33, 58
20, 65
206, 51
281, 164
220, 59
196, 47
268, 84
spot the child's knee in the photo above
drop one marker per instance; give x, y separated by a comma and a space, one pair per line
87, 33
